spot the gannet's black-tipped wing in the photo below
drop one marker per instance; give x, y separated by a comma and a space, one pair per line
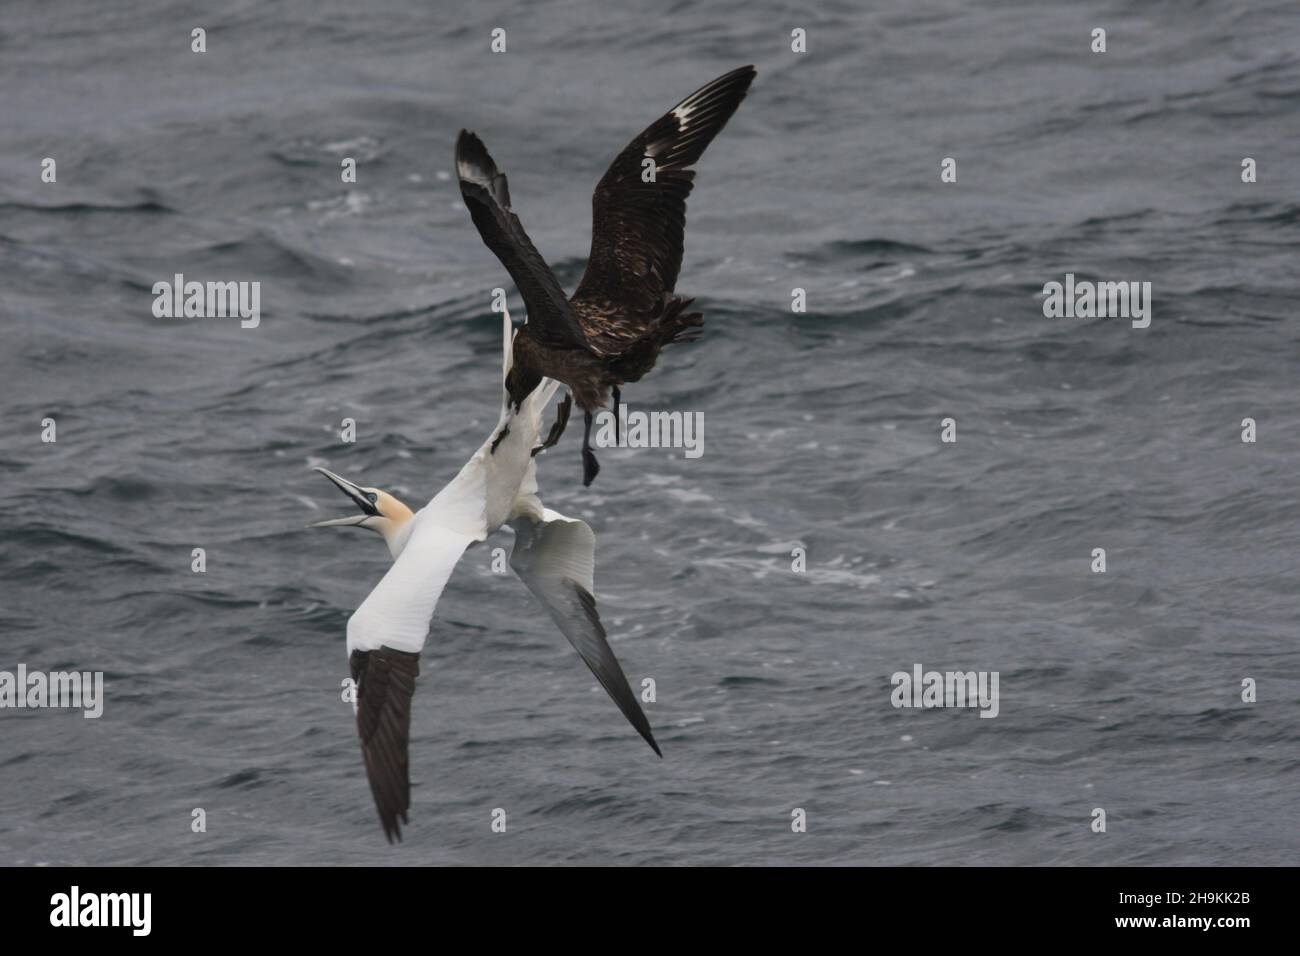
385, 684
637, 227
385, 636
487, 196
555, 558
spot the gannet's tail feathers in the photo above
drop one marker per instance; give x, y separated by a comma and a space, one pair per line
555, 558
543, 393
508, 336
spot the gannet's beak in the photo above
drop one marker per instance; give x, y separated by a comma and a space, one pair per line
359, 498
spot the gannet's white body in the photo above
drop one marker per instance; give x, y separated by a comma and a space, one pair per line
553, 555
491, 489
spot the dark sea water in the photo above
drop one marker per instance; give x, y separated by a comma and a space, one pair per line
1119, 691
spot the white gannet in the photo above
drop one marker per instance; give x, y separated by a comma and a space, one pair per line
553, 555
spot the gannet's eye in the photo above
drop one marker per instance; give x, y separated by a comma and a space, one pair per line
371, 497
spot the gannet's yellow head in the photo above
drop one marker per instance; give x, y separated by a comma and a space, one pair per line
380, 511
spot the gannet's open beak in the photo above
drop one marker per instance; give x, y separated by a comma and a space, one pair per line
358, 497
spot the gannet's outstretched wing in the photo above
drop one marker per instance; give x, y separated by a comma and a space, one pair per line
385, 636
555, 558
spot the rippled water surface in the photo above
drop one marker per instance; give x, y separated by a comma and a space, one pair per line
1118, 690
